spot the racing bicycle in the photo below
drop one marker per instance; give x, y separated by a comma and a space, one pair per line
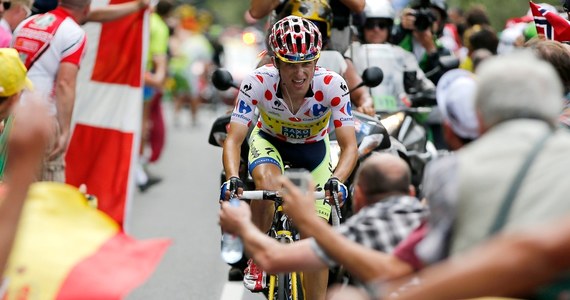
283, 286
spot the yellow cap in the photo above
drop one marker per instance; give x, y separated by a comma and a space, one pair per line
12, 73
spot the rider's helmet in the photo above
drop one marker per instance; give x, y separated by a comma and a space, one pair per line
379, 9
295, 40
318, 11
375, 11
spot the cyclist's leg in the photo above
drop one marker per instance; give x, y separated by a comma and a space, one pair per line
315, 282
265, 166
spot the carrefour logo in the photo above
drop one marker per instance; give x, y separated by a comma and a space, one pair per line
243, 107
318, 110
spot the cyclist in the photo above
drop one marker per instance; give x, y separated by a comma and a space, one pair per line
296, 100
321, 14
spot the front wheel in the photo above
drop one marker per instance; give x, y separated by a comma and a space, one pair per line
289, 287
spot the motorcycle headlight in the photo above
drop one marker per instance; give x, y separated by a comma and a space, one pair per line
220, 137
335, 153
369, 143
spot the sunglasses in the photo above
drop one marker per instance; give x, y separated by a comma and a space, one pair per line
7, 5
298, 58
371, 24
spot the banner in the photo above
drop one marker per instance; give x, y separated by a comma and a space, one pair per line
65, 249
107, 115
550, 24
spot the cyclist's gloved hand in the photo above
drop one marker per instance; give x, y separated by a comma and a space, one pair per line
233, 185
334, 185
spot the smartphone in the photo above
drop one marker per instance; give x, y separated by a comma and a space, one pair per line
299, 177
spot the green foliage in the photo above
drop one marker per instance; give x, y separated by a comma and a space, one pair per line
228, 12
500, 10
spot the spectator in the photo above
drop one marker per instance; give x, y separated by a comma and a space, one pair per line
154, 79
18, 11
456, 102
423, 42
557, 54
519, 100
383, 187
479, 37
495, 268
477, 15
53, 65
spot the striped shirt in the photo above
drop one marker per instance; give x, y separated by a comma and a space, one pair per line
380, 226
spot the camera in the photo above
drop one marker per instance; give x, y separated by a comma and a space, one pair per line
424, 18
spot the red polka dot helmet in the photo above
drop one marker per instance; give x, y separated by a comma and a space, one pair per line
294, 40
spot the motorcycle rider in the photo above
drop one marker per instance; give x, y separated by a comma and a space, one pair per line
295, 99
393, 60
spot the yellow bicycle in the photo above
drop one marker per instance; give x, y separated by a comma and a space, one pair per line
283, 286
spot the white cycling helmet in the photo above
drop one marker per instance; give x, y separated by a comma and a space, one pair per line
381, 9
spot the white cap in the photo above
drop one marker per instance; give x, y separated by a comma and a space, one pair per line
456, 100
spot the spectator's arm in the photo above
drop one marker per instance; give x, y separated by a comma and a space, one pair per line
26, 146
65, 84
268, 254
261, 8
496, 267
356, 6
157, 78
116, 11
362, 262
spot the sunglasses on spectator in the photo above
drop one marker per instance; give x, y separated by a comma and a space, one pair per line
6, 5
371, 24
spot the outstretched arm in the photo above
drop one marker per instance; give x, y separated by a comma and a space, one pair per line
364, 263
262, 8
26, 146
116, 11
496, 267
356, 6
270, 255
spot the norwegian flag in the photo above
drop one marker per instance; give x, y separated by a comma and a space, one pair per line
549, 24
108, 110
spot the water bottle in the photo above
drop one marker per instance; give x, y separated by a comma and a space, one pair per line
232, 247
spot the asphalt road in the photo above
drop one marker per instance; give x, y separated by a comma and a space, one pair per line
184, 208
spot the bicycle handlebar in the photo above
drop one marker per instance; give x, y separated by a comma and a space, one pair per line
271, 195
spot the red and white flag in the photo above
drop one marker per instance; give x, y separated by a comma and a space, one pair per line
108, 109
550, 24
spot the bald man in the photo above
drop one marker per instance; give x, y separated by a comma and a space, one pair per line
386, 212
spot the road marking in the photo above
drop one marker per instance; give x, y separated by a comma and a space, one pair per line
232, 291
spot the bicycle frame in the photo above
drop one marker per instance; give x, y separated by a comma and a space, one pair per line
284, 286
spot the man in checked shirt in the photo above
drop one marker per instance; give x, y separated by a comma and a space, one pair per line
386, 212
